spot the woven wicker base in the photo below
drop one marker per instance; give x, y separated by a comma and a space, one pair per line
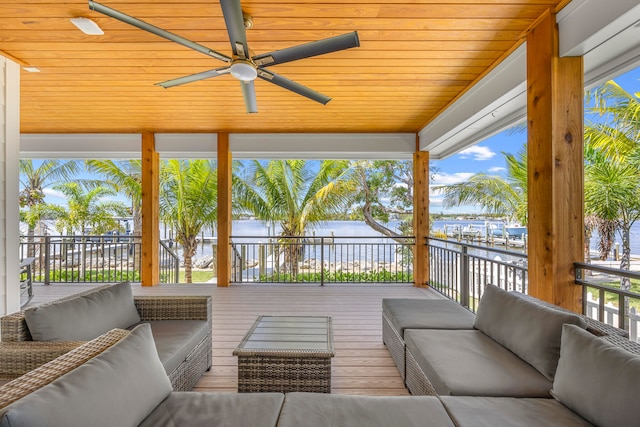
417, 382
394, 343
188, 373
284, 374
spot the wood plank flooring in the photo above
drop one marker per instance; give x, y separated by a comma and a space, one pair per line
362, 364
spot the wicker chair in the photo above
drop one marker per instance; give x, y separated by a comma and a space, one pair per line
20, 354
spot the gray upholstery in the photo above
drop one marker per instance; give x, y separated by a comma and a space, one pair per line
509, 412
318, 410
406, 313
192, 409
597, 380
469, 363
119, 387
84, 318
175, 339
530, 330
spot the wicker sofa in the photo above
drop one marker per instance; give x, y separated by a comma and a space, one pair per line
118, 379
181, 325
510, 349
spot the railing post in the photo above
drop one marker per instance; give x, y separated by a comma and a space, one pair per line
464, 277
322, 261
176, 270
47, 259
262, 260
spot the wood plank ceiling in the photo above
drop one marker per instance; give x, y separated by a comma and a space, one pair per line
415, 57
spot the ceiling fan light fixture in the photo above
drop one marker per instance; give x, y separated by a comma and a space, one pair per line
243, 70
87, 26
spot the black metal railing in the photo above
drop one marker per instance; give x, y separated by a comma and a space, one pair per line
90, 259
604, 299
322, 260
460, 271
169, 263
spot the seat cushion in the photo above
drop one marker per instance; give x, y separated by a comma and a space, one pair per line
193, 409
316, 409
530, 330
598, 380
85, 317
118, 387
407, 313
175, 339
469, 363
508, 412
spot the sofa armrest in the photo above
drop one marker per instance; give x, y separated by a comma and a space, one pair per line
19, 357
174, 307
50, 371
14, 328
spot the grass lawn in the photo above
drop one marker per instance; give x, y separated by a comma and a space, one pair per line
613, 298
198, 276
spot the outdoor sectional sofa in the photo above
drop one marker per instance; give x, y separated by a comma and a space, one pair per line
118, 380
181, 327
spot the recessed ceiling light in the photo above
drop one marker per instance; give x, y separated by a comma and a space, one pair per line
87, 26
31, 69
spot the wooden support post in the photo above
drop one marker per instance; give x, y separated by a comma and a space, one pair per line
149, 270
224, 210
421, 217
555, 98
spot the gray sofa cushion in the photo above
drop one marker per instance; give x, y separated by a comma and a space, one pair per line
469, 363
85, 317
193, 409
118, 387
317, 409
530, 330
597, 380
407, 313
175, 339
508, 412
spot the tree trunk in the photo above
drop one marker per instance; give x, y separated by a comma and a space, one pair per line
625, 261
189, 248
31, 248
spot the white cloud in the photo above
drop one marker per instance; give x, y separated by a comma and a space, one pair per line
497, 169
450, 178
50, 192
478, 152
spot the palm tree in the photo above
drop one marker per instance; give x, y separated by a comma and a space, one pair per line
612, 173
87, 208
494, 194
126, 177
34, 179
295, 193
188, 202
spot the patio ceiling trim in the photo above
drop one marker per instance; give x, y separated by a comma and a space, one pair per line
396, 146
370, 146
606, 33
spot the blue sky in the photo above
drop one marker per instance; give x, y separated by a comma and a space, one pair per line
487, 157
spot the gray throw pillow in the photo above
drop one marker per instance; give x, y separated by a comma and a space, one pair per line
529, 330
119, 387
597, 380
85, 317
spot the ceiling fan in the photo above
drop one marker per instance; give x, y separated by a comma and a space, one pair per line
242, 64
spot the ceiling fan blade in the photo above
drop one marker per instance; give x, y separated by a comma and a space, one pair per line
249, 94
283, 82
155, 30
194, 77
307, 50
232, 12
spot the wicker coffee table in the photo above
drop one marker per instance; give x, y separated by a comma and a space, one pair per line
285, 354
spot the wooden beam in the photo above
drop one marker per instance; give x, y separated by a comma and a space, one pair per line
149, 270
555, 167
224, 210
421, 217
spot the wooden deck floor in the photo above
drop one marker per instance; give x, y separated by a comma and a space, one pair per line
362, 364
